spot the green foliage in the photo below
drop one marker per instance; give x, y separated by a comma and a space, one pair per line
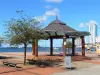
1, 40
24, 30
69, 44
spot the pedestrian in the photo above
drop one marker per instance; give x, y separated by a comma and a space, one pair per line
88, 49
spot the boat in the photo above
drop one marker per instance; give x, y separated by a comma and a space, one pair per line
55, 48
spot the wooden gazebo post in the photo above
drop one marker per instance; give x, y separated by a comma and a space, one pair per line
51, 46
58, 29
83, 45
64, 45
73, 46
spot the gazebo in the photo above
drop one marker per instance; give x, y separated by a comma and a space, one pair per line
59, 30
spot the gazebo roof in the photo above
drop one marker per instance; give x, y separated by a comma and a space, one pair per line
70, 34
59, 26
58, 29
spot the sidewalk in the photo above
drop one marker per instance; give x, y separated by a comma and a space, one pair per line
93, 70
83, 65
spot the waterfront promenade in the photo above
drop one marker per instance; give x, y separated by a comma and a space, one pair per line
93, 67
92, 70
83, 66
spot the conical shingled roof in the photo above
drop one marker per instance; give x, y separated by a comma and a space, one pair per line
58, 26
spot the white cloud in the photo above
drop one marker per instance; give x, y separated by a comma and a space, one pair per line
55, 1
82, 25
41, 18
52, 12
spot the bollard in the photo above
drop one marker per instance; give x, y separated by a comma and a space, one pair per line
68, 62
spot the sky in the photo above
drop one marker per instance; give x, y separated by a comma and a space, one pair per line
75, 13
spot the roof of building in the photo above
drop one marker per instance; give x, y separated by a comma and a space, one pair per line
59, 26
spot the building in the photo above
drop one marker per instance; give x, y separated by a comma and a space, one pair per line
78, 42
93, 32
98, 40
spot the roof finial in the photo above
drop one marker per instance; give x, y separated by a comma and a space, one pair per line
56, 16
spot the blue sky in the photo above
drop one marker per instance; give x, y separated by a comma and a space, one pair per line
75, 13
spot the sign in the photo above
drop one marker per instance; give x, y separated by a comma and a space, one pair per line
64, 43
68, 61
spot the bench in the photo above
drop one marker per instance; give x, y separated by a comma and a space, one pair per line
36, 62
9, 63
31, 61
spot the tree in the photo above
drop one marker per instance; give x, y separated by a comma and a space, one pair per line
69, 45
22, 31
1, 40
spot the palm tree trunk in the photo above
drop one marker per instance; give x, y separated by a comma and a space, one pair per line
25, 47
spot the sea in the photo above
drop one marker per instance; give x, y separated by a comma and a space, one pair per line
40, 49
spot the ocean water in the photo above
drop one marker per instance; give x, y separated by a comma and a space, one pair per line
40, 49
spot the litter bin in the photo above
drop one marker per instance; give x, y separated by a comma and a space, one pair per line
68, 61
